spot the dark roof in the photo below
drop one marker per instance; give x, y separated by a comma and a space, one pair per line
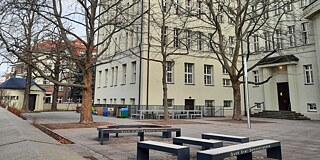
17, 83
279, 59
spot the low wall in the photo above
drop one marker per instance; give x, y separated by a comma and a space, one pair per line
61, 106
21, 140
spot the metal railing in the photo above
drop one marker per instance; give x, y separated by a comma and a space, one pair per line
207, 111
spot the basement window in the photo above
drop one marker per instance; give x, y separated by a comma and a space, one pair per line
312, 107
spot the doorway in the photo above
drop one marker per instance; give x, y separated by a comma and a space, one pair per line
283, 96
32, 102
189, 104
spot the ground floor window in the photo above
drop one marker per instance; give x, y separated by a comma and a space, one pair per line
209, 103
312, 107
48, 98
227, 103
59, 100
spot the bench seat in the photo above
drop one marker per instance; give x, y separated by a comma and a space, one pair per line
182, 152
206, 144
166, 132
225, 137
242, 151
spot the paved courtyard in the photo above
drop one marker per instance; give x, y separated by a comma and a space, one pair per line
300, 140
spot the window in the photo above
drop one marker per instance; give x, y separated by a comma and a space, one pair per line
231, 50
305, 32
123, 101
59, 100
188, 6
258, 105
111, 101
169, 69
176, 6
208, 74
79, 100
188, 73
199, 9
289, 6
277, 8
106, 77
312, 107
170, 102
134, 72
99, 78
227, 103
164, 5
219, 19
188, 38
199, 43
48, 98
304, 3
164, 35
231, 40
124, 74
45, 81
126, 40
256, 43
114, 100
230, 21
220, 8
226, 82
224, 71
176, 38
267, 44
278, 39
104, 101
112, 76
116, 76
69, 100
209, 103
292, 41
256, 77
98, 101
308, 74
60, 89
132, 101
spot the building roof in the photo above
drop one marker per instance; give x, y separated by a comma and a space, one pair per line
279, 59
17, 83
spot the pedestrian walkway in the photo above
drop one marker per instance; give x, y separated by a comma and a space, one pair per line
299, 139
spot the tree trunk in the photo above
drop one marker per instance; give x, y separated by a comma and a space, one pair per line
165, 92
55, 97
237, 100
25, 105
86, 114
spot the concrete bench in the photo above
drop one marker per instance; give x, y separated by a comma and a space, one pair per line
166, 132
206, 144
182, 152
225, 137
242, 151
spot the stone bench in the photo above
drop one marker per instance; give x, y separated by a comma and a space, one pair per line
206, 144
166, 132
225, 137
242, 151
182, 152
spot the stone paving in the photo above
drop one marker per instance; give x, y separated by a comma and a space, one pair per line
300, 140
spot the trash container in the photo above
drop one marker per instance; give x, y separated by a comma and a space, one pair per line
94, 112
124, 113
105, 111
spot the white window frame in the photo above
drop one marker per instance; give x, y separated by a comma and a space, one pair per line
199, 9
132, 101
308, 74
209, 103
226, 82
188, 73
59, 99
133, 72
99, 78
289, 6
170, 102
199, 41
312, 107
169, 69
112, 76
304, 3
106, 72
224, 71
225, 102
45, 81
176, 43
69, 100
208, 74
278, 39
124, 74
267, 44
188, 38
305, 33
256, 43
164, 34
256, 77
291, 34
60, 89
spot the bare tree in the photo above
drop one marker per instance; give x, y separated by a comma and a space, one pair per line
241, 21
86, 16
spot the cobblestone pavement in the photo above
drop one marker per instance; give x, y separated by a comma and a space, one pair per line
300, 140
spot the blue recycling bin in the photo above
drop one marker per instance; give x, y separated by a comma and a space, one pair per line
124, 113
105, 111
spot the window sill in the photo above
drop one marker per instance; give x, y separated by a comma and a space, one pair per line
170, 82
122, 84
314, 111
255, 86
210, 85
105, 86
227, 86
189, 84
309, 84
133, 83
